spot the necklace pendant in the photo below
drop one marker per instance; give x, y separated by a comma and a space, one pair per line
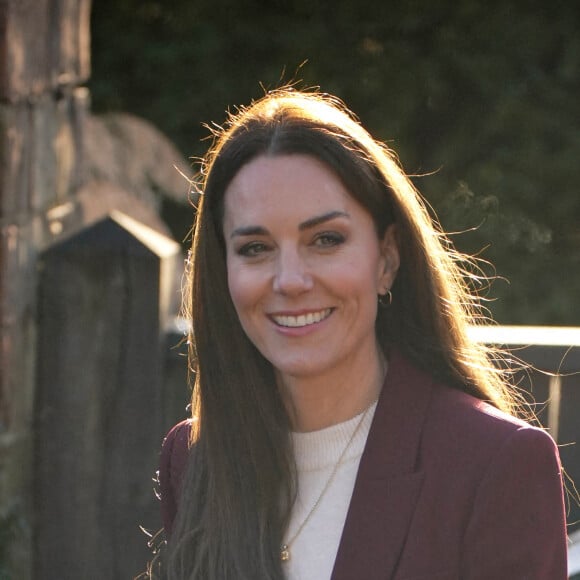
284, 553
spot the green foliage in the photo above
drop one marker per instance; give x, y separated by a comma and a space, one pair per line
483, 96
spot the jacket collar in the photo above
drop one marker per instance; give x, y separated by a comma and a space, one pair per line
388, 482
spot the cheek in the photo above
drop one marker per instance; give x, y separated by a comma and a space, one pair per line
234, 286
243, 289
363, 277
245, 298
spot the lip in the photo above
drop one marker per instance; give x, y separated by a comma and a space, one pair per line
299, 322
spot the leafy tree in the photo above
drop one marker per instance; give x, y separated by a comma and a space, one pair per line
480, 98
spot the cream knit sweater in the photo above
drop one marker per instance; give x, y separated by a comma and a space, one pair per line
313, 552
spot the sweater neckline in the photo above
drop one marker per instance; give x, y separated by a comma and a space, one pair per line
318, 450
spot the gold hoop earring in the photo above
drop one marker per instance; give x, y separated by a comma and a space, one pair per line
386, 299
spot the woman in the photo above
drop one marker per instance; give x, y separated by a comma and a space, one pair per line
344, 424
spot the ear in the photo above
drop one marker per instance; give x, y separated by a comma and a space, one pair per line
389, 263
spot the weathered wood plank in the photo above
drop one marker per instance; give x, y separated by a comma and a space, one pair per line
14, 161
17, 378
68, 150
71, 47
45, 45
25, 57
17, 296
43, 154
56, 144
15, 513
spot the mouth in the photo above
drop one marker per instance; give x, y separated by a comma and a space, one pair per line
302, 319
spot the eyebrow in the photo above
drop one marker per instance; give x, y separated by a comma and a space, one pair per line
305, 225
249, 231
320, 219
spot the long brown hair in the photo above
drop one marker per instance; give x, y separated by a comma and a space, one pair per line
240, 483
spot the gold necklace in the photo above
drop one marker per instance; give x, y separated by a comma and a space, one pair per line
285, 548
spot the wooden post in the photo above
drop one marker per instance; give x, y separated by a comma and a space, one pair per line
44, 60
104, 301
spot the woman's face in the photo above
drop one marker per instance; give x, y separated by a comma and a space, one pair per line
305, 266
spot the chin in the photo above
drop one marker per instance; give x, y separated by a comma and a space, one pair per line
299, 369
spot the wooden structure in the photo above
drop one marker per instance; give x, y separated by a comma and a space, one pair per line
101, 321
88, 278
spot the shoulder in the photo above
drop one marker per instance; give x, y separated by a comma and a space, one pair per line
509, 476
172, 463
448, 419
177, 438
463, 426
174, 452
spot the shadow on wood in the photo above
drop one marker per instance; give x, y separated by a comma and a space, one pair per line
105, 296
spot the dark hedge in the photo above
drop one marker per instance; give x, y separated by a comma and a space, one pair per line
480, 98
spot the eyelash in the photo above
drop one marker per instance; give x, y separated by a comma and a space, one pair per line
252, 249
323, 240
329, 239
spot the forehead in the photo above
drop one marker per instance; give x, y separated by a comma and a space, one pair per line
289, 187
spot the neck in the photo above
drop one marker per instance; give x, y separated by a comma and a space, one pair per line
318, 402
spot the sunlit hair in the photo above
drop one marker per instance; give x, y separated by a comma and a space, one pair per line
240, 484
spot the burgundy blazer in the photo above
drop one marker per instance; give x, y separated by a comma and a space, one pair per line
448, 488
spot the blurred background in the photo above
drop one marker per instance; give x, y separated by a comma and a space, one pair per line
103, 104
479, 98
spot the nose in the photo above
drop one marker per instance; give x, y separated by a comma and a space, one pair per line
292, 276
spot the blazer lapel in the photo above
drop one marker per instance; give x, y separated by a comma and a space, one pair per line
388, 483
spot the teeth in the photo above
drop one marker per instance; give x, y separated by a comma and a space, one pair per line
303, 319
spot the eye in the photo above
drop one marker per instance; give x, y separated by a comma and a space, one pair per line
252, 249
328, 239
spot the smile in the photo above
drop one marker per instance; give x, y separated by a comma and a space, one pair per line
303, 319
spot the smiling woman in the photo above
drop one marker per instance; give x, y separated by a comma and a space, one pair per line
344, 423
305, 266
